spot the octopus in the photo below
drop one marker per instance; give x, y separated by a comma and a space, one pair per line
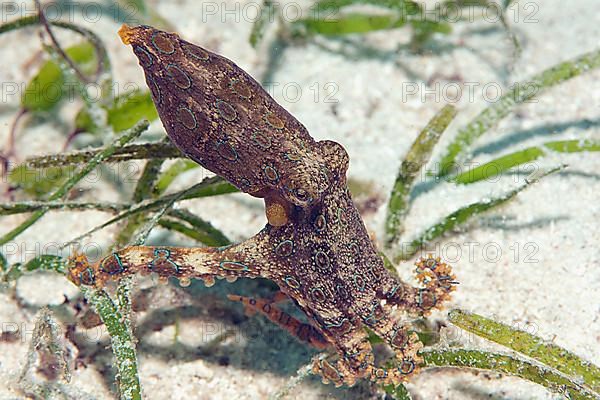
315, 246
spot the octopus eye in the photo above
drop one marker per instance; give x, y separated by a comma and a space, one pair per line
301, 194
301, 197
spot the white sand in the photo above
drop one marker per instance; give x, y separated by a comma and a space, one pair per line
556, 295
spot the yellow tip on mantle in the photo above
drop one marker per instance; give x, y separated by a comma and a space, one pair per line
126, 33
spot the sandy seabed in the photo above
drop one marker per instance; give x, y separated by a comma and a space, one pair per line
534, 263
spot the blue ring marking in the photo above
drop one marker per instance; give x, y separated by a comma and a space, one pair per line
362, 287
377, 375
352, 355
326, 260
263, 146
374, 308
121, 267
370, 320
323, 226
223, 143
237, 266
374, 272
158, 251
146, 53
223, 113
244, 183
393, 338
156, 92
266, 117
314, 290
420, 299
193, 51
392, 292
362, 365
232, 83
279, 248
372, 316
353, 246
339, 325
412, 367
293, 157
433, 267
339, 219
331, 367
191, 113
342, 291
292, 282
158, 47
274, 171
336, 325
189, 80
163, 255
90, 277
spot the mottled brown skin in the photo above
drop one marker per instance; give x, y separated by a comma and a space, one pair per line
315, 247
220, 117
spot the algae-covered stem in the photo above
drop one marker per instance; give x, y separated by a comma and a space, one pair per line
128, 136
